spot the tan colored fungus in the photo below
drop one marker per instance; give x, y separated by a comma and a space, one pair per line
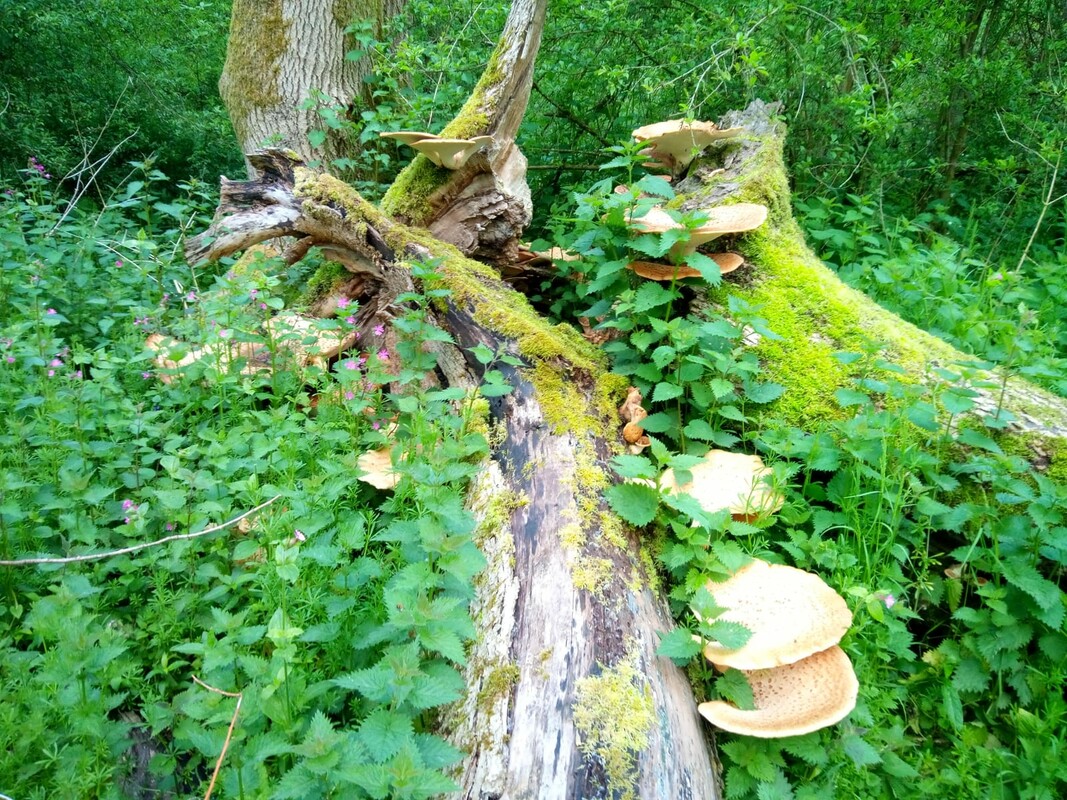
733, 481
451, 153
675, 143
792, 700
791, 613
377, 467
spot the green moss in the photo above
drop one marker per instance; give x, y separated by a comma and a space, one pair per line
258, 39
1050, 453
592, 574
408, 198
497, 685
324, 280
614, 715
571, 536
496, 514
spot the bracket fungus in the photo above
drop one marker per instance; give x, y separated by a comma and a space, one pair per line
655, 271
732, 481
675, 143
793, 699
377, 467
792, 614
738, 218
448, 153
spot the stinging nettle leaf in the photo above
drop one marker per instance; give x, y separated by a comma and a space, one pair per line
634, 502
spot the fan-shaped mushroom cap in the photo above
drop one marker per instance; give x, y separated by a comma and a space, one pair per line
737, 218
655, 220
451, 153
377, 466
792, 700
675, 142
729, 480
791, 613
408, 137
655, 271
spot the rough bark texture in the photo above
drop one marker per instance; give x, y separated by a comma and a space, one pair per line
483, 207
279, 51
567, 610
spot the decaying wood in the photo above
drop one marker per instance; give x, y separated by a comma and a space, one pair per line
483, 207
540, 620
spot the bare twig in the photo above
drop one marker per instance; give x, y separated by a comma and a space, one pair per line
229, 732
134, 548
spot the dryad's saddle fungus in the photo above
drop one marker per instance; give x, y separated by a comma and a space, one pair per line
447, 153
738, 218
792, 614
675, 143
377, 467
655, 271
792, 700
733, 481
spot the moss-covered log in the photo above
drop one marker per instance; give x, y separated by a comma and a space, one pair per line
816, 314
566, 697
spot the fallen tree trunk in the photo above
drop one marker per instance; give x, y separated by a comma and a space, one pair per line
566, 697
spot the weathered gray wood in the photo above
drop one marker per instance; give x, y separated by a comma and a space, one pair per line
563, 601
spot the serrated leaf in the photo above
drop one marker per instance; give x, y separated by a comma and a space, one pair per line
701, 430
628, 466
850, 397
439, 684
634, 502
658, 422
651, 295
807, 747
1044, 592
976, 439
970, 676
707, 266
666, 391
952, 705
655, 185
763, 392
440, 639
436, 752
384, 732
732, 685
679, 646
730, 635
860, 751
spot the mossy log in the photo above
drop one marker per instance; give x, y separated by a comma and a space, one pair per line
816, 314
566, 697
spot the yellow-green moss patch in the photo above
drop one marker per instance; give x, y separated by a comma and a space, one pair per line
614, 715
498, 683
259, 37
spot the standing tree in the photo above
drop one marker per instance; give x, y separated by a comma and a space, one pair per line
566, 695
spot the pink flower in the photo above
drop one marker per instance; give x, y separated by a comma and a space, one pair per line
342, 302
376, 425
77, 374
146, 375
253, 293
262, 306
379, 330
10, 359
128, 505
298, 535
383, 355
118, 263
51, 373
191, 297
350, 320
55, 362
889, 601
349, 395
169, 526
350, 364
50, 312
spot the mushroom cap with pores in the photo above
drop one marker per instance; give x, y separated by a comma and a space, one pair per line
655, 271
408, 137
792, 700
791, 613
377, 466
733, 481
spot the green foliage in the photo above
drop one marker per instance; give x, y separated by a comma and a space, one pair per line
339, 614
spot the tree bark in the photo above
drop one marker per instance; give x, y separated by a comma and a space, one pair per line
281, 51
482, 208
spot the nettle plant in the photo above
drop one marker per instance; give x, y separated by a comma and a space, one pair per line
336, 616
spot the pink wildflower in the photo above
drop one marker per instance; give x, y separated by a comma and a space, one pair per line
383, 355
350, 364
51, 373
298, 535
55, 362
169, 526
127, 505
10, 359
118, 263
349, 395
376, 425
146, 375
350, 320
379, 330
342, 302
889, 601
51, 312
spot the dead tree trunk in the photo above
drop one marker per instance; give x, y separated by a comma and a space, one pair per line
567, 609
483, 207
